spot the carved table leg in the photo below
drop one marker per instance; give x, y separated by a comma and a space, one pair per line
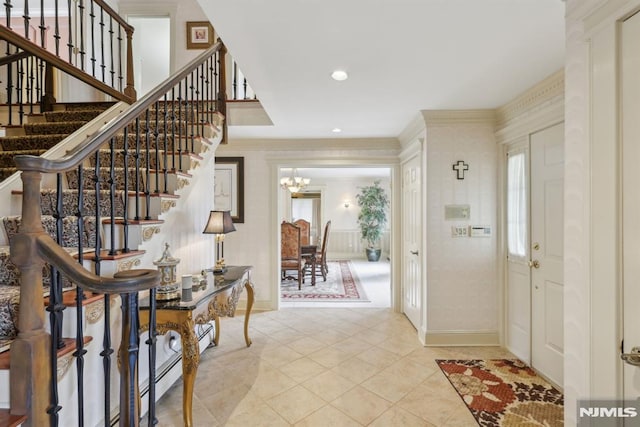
250, 297
216, 335
190, 362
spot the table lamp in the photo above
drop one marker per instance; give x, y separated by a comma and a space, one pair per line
220, 223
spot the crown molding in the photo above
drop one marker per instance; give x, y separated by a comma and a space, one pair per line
452, 117
549, 91
343, 144
414, 129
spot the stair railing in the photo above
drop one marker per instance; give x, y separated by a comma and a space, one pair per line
150, 138
86, 39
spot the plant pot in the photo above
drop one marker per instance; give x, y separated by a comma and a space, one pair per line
373, 255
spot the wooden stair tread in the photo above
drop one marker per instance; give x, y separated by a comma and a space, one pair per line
69, 346
104, 255
69, 298
9, 420
134, 221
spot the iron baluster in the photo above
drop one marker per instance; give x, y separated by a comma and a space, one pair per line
26, 18
173, 131
20, 72
156, 132
128, 356
165, 154
69, 34
137, 168
182, 121
112, 70
125, 216
151, 342
234, 85
193, 114
80, 350
92, 17
147, 191
102, 64
7, 7
120, 77
82, 52
112, 195
56, 26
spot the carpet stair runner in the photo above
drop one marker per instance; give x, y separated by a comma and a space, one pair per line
52, 127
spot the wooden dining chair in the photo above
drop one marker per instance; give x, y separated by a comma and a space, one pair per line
291, 252
305, 231
321, 256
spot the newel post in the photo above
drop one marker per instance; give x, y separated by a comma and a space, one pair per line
30, 369
130, 89
222, 92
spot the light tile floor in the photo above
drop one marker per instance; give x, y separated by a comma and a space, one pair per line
323, 367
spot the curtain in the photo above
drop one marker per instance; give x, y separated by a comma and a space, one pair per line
517, 205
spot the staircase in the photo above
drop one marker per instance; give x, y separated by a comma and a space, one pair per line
160, 173
104, 186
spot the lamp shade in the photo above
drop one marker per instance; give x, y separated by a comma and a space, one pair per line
220, 222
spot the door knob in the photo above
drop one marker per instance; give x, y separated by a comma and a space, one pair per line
413, 252
632, 358
535, 264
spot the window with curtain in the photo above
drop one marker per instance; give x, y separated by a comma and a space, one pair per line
517, 205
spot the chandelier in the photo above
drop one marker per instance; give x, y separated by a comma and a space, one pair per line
294, 183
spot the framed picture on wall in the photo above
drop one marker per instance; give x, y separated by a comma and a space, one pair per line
228, 186
199, 35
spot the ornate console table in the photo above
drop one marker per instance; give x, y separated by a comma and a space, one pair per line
209, 304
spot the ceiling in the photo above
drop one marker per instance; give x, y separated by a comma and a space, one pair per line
402, 56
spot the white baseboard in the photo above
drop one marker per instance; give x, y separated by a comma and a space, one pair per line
461, 338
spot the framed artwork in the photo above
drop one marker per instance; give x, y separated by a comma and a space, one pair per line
199, 35
228, 186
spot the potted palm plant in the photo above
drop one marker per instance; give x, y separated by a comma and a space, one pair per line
373, 203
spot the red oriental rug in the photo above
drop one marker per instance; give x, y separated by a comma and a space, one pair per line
505, 393
342, 285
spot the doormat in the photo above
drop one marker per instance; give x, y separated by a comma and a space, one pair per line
342, 285
505, 392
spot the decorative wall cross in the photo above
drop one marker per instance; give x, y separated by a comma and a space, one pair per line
460, 166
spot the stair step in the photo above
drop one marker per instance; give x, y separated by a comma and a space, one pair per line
105, 176
6, 157
72, 115
31, 142
90, 105
69, 226
189, 160
140, 231
52, 128
70, 202
69, 298
9, 420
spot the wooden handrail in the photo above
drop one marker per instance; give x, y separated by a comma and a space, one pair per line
103, 4
13, 58
123, 282
28, 46
76, 156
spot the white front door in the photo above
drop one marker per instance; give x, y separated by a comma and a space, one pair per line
411, 241
547, 248
631, 199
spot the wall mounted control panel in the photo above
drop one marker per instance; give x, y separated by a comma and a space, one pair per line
480, 231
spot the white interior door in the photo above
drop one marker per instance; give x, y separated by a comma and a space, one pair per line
547, 248
518, 321
631, 198
411, 241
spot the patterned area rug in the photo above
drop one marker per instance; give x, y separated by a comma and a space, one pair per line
505, 393
342, 285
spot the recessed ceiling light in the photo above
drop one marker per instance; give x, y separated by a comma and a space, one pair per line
339, 75
336, 130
